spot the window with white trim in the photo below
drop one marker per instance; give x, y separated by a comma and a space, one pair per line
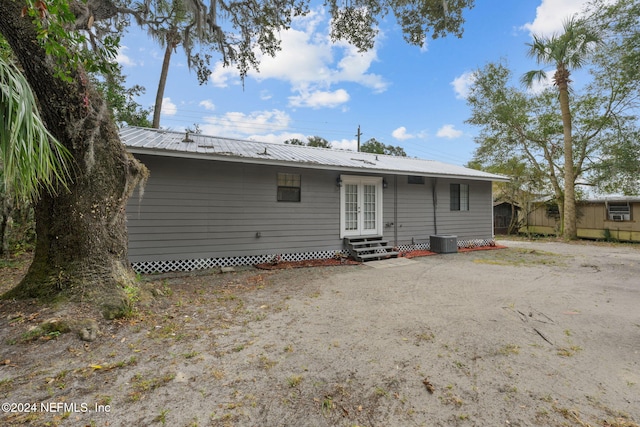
459, 197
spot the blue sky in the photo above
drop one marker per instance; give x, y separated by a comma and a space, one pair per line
399, 94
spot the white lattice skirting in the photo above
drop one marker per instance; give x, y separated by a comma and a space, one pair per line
148, 267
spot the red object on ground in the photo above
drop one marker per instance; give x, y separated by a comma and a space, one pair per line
280, 265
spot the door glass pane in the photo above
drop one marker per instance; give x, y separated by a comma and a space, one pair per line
369, 207
350, 207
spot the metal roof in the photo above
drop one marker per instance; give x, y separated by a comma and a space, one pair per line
614, 198
175, 144
607, 198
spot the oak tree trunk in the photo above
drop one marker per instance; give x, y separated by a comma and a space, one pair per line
81, 246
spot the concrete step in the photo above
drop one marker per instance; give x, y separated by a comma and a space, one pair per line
379, 255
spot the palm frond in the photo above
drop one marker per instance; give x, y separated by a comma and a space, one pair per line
31, 158
533, 76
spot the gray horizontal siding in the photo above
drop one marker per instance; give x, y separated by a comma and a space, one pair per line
206, 209
414, 220
192, 209
477, 222
413, 212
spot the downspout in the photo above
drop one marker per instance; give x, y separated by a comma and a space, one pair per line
434, 196
395, 210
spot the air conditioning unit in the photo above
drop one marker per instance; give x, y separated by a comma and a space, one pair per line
443, 244
619, 212
619, 217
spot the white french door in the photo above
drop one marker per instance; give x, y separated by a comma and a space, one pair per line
360, 206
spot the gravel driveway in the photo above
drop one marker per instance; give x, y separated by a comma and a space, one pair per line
539, 333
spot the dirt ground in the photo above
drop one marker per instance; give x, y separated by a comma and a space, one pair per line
538, 334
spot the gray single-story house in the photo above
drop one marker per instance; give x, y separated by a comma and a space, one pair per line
213, 202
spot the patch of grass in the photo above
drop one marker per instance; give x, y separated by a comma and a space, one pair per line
6, 385
191, 354
266, 363
569, 351
424, 337
162, 417
380, 392
450, 398
104, 400
166, 288
8, 263
620, 422
133, 360
132, 293
459, 364
144, 383
509, 349
59, 379
327, 405
547, 398
168, 330
46, 331
217, 374
571, 415
520, 257
294, 380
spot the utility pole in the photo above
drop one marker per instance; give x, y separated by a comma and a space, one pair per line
359, 134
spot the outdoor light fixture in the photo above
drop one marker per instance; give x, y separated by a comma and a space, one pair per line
338, 181
384, 183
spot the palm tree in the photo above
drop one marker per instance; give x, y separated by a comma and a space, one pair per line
172, 13
567, 51
30, 157
174, 23
171, 41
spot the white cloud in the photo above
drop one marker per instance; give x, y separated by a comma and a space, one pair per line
168, 107
448, 131
123, 59
265, 95
551, 14
353, 68
277, 138
237, 124
401, 134
311, 64
207, 104
462, 84
345, 144
319, 99
220, 75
